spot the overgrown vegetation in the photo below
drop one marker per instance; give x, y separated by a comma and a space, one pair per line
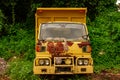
105, 35
17, 35
21, 70
20, 43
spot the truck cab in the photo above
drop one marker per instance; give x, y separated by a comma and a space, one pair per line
62, 42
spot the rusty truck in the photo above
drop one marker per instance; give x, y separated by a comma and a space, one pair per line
62, 44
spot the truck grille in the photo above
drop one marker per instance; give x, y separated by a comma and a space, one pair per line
63, 64
65, 61
63, 69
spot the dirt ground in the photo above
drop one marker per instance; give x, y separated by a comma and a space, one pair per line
101, 76
105, 76
4, 77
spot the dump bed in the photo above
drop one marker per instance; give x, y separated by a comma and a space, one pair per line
59, 14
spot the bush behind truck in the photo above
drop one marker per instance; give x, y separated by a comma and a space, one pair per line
62, 42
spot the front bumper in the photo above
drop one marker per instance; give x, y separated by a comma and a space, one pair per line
63, 70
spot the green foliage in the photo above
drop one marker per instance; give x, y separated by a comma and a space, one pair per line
80, 77
105, 36
20, 43
2, 17
16, 10
35, 5
5, 53
21, 70
13, 11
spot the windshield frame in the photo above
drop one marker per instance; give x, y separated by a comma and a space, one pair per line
84, 26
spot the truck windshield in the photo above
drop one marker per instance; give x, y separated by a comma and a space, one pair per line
69, 31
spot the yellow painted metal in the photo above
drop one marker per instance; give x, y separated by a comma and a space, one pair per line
72, 15
51, 70
43, 15
75, 69
75, 49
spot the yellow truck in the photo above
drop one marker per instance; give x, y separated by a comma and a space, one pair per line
62, 42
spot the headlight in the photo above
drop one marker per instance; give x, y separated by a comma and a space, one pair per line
68, 61
47, 62
79, 62
86, 62
41, 62
58, 60
83, 61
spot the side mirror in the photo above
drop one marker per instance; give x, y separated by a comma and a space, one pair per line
85, 37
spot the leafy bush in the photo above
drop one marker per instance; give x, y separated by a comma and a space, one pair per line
19, 42
4, 47
2, 23
105, 36
21, 70
1, 20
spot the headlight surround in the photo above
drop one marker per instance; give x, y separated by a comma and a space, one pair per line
87, 49
43, 62
82, 61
